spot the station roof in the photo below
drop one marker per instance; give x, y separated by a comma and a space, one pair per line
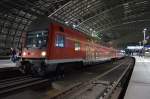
117, 22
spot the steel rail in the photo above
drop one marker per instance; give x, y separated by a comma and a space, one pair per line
84, 84
23, 86
13, 79
110, 90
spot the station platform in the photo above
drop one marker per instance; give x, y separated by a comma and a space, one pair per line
139, 85
6, 64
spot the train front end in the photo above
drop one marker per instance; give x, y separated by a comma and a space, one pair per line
34, 53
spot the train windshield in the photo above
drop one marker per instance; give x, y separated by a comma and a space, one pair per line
37, 39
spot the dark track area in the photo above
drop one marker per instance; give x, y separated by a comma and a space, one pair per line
100, 86
10, 72
73, 77
114, 75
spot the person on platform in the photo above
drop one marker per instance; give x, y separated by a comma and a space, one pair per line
13, 55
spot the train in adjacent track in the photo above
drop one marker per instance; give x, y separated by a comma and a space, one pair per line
49, 46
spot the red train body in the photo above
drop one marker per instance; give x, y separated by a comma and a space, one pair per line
57, 44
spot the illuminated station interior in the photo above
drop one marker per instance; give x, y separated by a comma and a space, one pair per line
74, 49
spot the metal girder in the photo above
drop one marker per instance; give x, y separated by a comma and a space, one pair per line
88, 16
16, 16
101, 15
109, 19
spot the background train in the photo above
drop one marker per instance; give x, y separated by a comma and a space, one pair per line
49, 45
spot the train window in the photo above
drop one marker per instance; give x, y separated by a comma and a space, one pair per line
60, 41
37, 39
77, 46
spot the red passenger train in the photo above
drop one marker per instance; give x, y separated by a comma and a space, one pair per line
51, 45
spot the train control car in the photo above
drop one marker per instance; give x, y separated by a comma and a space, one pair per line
50, 44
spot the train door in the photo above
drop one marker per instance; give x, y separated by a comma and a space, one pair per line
93, 50
90, 52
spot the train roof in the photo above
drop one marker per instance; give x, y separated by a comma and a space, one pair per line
42, 23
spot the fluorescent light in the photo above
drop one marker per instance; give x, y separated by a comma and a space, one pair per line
66, 22
145, 29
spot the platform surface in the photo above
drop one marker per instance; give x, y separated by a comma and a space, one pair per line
6, 64
139, 85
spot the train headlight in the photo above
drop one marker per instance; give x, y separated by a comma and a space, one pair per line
24, 53
43, 54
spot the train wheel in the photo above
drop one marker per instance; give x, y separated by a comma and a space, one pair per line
22, 69
41, 71
25, 68
60, 71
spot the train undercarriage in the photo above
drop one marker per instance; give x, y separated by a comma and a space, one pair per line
43, 68
40, 67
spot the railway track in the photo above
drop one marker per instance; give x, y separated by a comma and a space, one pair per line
16, 83
87, 86
6, 73
101, 87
